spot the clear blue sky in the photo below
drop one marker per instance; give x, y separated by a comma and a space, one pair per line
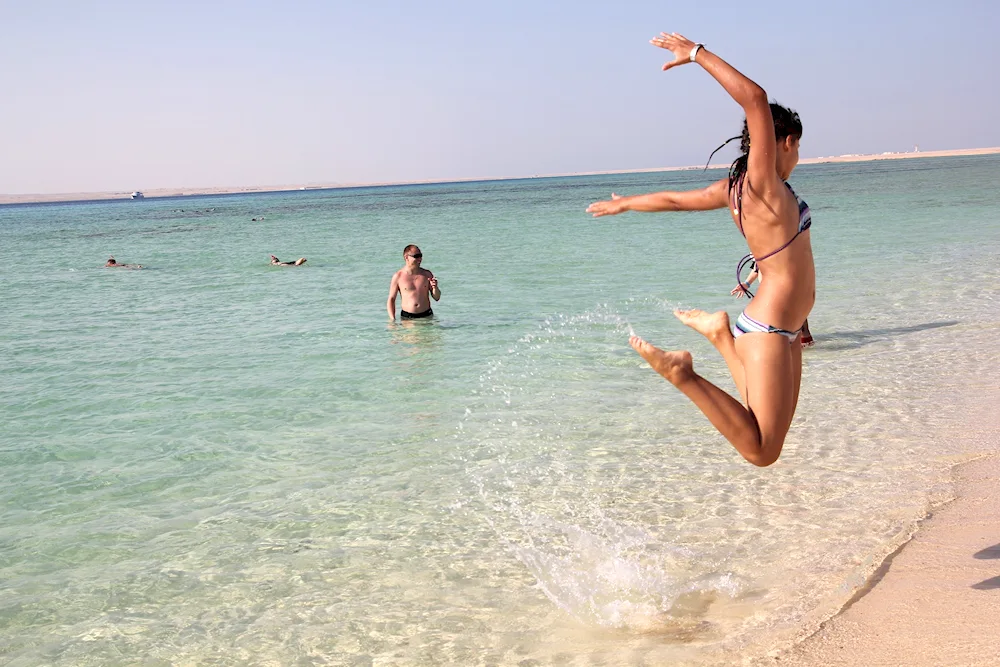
130, 95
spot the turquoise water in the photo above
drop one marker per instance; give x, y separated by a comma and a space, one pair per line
216, 461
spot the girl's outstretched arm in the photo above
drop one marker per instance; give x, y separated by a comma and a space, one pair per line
706, 199
761, 167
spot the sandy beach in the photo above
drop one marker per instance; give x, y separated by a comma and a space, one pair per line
223, 190
936, 600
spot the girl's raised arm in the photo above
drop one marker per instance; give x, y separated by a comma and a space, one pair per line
761, 167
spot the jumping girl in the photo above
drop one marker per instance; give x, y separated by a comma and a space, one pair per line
762, 351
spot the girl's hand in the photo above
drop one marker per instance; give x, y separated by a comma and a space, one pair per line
679, 45
737, 292
613, 207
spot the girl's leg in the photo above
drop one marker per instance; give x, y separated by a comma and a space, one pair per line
774, 372
758, 431
715, 327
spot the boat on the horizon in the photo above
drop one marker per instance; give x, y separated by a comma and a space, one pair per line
137, 195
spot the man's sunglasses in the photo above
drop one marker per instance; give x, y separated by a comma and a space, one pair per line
417, 256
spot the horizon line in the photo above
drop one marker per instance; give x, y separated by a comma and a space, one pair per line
163, 193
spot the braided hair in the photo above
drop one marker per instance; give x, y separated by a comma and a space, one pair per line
786, 124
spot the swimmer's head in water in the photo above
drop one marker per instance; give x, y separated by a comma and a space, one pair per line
111, 260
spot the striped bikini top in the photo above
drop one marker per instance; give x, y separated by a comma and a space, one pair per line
805, 217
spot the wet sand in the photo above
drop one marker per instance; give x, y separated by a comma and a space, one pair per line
192, 191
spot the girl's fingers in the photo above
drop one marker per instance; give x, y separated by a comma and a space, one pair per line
670, 41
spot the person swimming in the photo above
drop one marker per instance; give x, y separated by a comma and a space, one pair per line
111, 263
766, 368
277, 262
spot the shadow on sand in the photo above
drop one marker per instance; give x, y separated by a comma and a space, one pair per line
988, 585
988, 552
846, 340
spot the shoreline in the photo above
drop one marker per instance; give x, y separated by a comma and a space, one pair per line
155, 193
935, 599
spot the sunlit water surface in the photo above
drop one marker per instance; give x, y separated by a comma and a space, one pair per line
216, 461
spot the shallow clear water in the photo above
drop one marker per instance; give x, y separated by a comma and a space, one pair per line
216, 461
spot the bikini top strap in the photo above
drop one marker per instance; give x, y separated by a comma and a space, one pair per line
775, 252
805, 220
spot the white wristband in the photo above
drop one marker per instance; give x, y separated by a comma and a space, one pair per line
694, 51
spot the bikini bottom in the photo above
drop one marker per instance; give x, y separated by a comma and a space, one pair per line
746, 324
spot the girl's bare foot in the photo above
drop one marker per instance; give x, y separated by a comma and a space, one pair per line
674, 366
709, 325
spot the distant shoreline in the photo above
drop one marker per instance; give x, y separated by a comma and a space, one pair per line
197, 191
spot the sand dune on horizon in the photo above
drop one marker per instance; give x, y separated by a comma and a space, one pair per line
224, 190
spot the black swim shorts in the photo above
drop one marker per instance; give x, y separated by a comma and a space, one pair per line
403, 315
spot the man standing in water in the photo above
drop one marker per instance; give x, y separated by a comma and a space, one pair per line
416, 285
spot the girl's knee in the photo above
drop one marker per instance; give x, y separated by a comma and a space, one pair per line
763, 459
767, 453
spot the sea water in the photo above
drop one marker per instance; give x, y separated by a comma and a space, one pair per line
216, 461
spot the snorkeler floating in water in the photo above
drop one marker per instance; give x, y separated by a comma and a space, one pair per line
276, 262
112, 264
762, 350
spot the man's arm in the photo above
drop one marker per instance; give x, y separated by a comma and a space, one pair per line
435, 290
390, 304
712, 197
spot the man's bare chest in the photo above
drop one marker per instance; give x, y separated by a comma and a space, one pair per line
413, 283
